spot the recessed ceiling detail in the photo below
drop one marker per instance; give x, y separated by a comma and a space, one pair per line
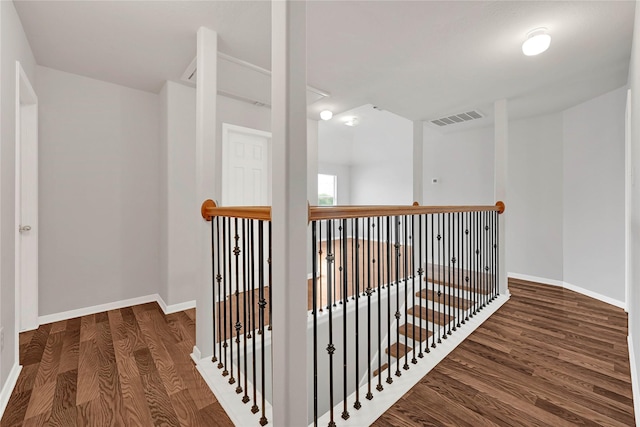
253, 86
457, 118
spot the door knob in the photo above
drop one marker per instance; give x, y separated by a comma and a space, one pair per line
24, 228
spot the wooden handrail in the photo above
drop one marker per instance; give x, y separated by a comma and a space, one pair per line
209, 209
342, 212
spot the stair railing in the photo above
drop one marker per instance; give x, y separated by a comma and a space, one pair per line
389, 284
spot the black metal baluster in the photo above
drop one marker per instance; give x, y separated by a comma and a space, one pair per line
245, 398
388, 242
467, 264
335, 279
423, 239
217, 303
320, 252
396, 221
357, 403
345, 298
270, 277
238, 325
413, 290
406, 286
440, 279
231, 322
369, 395
449, 274
454, 271
330, 347
314, 297
433, 285
379, 387
476, 227
214, 250
459, 263
226, 278
262, 304
254, 408
495, 254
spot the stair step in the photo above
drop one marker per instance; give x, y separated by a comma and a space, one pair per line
408, 330
398, 350
426, 314
382, 369
432, 295
449, 276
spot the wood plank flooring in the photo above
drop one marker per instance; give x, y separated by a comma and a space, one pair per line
548, 357
127, 367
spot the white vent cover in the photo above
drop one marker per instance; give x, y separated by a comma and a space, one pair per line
457, 118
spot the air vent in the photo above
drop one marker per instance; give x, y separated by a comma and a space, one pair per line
457, 118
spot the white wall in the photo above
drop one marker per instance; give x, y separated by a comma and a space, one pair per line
382, 161
13, 47
179, 191
99, 192
534, 210
593, 199
343, 174
462, 162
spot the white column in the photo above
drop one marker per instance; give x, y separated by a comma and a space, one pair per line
418, 161
289, 212
207, 175
500, 183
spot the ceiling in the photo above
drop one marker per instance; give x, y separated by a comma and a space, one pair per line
418, 59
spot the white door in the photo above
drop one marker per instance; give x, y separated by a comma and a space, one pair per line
246, 177
628, 184
26, 213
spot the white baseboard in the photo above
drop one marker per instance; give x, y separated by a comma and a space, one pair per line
635, 385
536, 279
569, 286
7, 389
196, 355
86, 311
595, 295
174, 308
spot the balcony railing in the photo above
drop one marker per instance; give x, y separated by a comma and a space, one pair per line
388, 284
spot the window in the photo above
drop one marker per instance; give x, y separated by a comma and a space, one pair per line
327, 190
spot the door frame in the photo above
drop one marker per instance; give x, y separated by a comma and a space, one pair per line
226, 129
26, 110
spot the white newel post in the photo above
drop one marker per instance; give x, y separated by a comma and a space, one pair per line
289, 212
500, 184
418, 161
207, 176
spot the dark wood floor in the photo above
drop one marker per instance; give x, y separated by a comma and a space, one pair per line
128, 367
548, 357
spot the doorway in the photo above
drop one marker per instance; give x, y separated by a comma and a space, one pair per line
246, 166
26, 203
628, 180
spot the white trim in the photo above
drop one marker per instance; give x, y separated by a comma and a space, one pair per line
9, 385
635, 385
237, 411
401, 385
595, 295
569, 286
536, 279
627, 202
196, 355
174, 308
85, 311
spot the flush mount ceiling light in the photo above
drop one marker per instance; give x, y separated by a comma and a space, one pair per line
351, 121
326, 115
537, 42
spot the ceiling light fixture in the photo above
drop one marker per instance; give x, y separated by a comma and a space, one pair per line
537, 42
351, 121
326, 115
